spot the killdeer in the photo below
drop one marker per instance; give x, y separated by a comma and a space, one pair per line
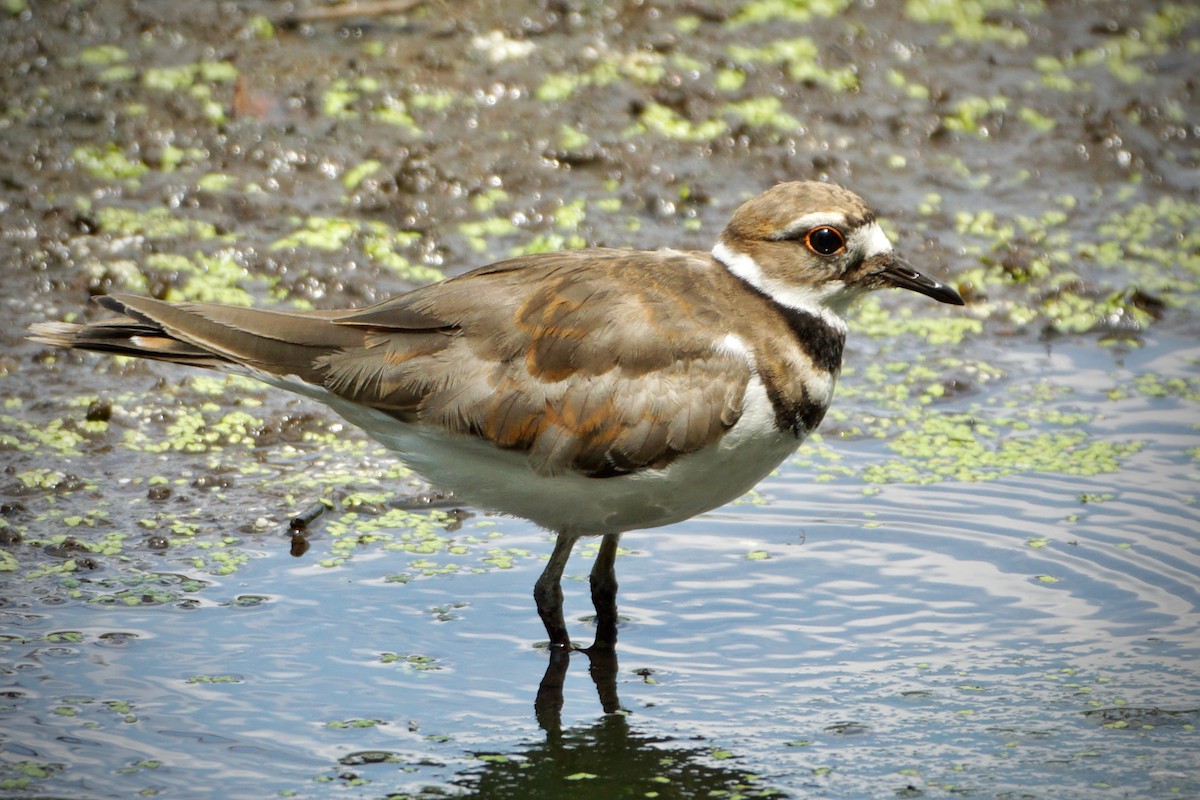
591, 391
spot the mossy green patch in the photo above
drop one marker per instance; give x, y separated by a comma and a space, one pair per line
193, 430
103, 55
763, 112
957, 447
108, 162
977, 20
911, 89
63, 435
729, 79
1151, 384
172, 158
1151, 36
1035, 119
360, 172
433, 101
559, 86
487, 199
1031, 428
132, 586
366, 98
222, 386
413, 662
1153, 249
548, 243
46, 478
195, 80
259, 27
156, 222
1117, 310
659, 120
506, 557
801, 59
570, 215
215, 182
639, 66
354, 723
422, 534
377, 240
571, 138
872, 318
478, 232
1158, 242
1053, 75
757, 11
184, 77
213, 680
319, 233
215, 278
974, 114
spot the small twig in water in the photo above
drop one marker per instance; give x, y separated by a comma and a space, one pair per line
308, 517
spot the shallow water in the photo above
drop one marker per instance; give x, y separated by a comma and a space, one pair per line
980, 638
982, 579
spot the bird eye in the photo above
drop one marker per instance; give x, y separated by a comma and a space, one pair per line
825, 241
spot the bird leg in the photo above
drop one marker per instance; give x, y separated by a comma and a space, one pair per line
604, 593
548, 595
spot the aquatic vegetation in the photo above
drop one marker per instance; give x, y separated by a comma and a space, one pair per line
659, 120
757, 11
109, 163
977, 20
153, 223
801, 58
378, 241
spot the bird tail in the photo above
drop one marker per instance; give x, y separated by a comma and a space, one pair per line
226, 338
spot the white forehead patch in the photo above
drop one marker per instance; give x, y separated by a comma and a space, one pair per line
870, 240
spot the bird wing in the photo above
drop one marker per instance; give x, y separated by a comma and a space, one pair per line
601, 361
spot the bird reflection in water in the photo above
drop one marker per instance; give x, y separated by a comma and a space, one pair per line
612, 756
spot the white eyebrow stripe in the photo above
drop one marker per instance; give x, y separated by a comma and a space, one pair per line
835, 219
871, 240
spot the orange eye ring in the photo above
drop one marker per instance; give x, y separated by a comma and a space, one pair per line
825, 240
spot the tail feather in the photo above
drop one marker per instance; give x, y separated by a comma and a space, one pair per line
122, 338
208, 335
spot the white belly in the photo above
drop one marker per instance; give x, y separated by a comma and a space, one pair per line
491, 478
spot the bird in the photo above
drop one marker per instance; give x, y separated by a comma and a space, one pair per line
593, 391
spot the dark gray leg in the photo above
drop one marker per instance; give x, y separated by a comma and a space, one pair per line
548, 595
604, 593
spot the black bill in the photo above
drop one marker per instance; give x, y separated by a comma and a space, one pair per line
900, 273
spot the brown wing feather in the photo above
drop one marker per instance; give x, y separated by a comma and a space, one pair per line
606, 369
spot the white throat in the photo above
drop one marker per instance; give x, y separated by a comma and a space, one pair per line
828, 302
